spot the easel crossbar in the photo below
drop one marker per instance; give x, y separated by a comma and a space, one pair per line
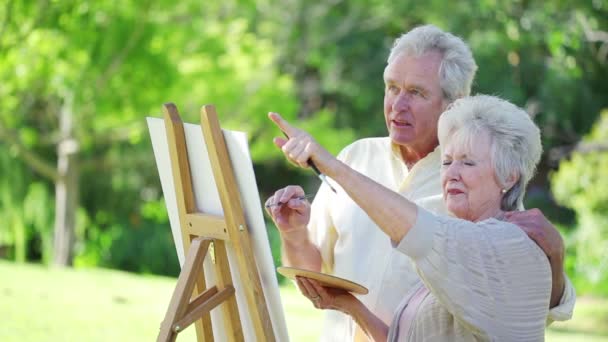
208, 301
206, 225
178, 307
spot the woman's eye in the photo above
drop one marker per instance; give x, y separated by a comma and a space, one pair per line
469, 163
446, 162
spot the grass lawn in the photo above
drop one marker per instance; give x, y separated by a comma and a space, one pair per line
42, 304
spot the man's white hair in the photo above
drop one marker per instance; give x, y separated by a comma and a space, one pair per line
457, 69
515, 139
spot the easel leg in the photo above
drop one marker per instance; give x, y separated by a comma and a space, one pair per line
188, 276
204, 332
230, 310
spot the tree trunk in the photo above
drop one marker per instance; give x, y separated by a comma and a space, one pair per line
66, 189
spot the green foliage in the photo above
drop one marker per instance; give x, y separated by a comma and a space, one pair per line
317, 63
275, 245
113, 64
581, 183
26, 212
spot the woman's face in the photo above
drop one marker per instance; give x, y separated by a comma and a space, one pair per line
470, 188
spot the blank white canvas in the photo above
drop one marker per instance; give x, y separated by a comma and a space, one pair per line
208, 202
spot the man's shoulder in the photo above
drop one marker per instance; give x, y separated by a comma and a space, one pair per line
366, 146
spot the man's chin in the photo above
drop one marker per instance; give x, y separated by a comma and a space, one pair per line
401, 139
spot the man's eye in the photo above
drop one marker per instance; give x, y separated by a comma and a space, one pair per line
393, 89
469, 163
416, 92
446, 162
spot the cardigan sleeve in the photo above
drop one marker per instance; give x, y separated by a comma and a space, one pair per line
489, 275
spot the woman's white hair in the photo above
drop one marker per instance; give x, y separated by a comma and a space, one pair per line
515, 139
457, 68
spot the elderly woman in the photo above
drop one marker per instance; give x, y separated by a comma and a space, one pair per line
482, 278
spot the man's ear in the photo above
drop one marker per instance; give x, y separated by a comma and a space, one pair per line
511, 180
446, 104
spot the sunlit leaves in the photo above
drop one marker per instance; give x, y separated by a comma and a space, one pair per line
317, 63
581, 183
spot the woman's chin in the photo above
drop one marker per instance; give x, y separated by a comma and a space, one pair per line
457, 211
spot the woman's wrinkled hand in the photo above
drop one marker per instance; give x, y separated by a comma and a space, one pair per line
326, 297
300, 147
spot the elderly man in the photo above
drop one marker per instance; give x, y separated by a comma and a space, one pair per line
427, 70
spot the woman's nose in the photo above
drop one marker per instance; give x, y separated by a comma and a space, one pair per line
453, 171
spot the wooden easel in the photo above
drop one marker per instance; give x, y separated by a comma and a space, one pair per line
192, 300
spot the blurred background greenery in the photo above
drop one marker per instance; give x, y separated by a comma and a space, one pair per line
78, 181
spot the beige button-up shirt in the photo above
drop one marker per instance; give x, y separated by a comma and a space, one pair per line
353, 247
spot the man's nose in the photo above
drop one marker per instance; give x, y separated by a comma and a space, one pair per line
401, 102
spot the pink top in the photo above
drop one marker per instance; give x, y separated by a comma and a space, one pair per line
407, 315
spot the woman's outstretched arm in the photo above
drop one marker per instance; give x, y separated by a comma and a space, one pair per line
394, 214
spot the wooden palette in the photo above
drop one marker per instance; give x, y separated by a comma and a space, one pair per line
325, 279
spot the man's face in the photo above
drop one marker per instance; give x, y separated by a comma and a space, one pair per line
413, 101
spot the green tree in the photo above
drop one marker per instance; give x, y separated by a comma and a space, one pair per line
81, 78
75, 85
580, 183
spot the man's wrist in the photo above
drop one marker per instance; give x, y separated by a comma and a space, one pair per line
559, 283
557, 266
557, 260
294, 236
